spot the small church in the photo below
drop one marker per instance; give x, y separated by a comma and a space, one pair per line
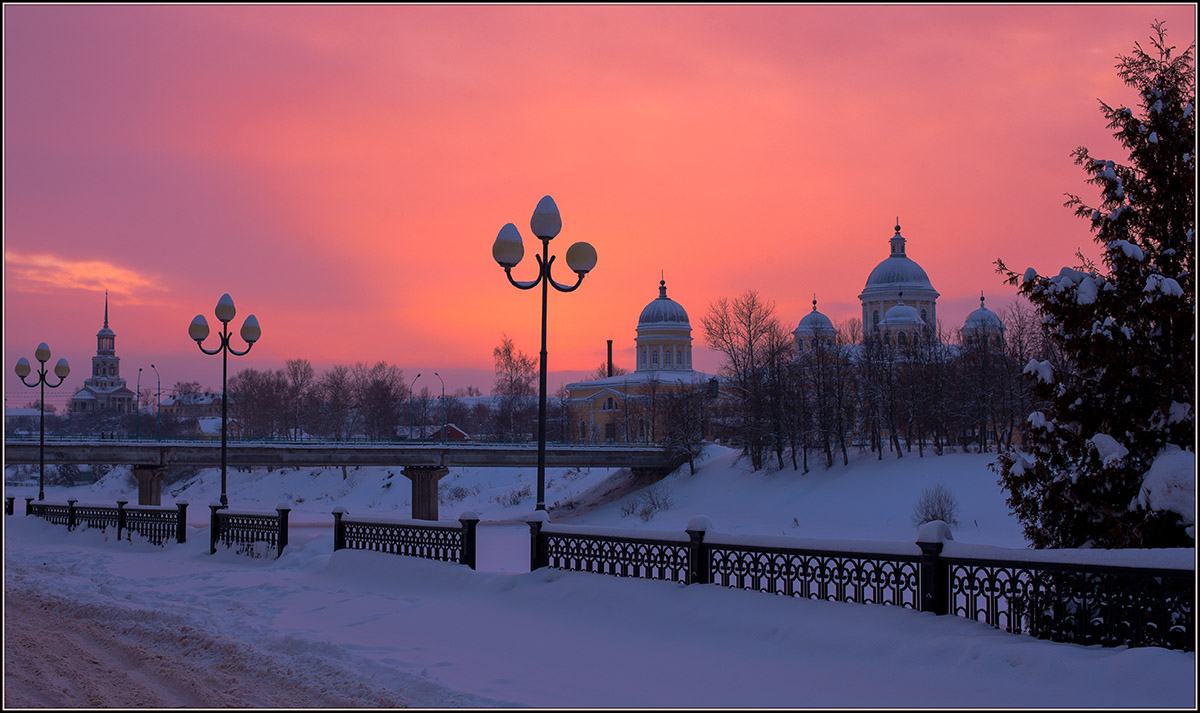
104, 390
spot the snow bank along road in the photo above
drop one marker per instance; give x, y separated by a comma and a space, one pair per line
96, 623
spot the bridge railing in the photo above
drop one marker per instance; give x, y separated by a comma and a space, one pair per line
1038, 593
413, 538
247, 532
156, 524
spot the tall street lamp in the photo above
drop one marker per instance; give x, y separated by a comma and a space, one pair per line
158, 407
410, 404
443, 405
137, 409
581, 258
198, 330
61, 369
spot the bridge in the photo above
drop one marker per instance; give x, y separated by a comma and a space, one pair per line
422, 462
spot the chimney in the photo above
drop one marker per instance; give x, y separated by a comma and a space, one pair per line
610, 357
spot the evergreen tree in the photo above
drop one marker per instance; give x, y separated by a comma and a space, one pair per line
1122, 392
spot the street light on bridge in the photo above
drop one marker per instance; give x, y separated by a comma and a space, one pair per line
410, 405
61, 370
581, 258
443, 437
158, 407
198, 330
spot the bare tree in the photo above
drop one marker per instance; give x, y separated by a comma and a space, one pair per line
516, 385
745, 331
300, 376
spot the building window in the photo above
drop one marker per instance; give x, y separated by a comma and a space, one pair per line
667, 358
875, 319
924, 318
610, 404
654, 358
901, 340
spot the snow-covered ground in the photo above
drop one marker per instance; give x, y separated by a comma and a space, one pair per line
95, 622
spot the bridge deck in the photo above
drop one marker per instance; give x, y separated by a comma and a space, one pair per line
325, 454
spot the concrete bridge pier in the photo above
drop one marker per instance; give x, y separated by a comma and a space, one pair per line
425, 489
149, 480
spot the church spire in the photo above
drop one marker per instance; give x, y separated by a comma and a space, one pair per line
897, 241
106, 308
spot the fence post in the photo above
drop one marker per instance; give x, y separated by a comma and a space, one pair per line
283, 511
935, 574
698, 551
71, 515
27, 502
469, 522
339, 530
537, 548
214, 527
8, 504
121, 518
181, 522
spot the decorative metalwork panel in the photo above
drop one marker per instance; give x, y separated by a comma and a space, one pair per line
648, 559
55, 514
96, 517
831, 576
444, 544
240, 532
156, 526
1109, 606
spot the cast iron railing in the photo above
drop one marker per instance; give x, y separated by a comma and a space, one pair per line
413, 538
156, 524
1084, 603
1077, 603
245, 532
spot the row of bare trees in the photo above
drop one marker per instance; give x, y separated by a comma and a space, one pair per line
930, 394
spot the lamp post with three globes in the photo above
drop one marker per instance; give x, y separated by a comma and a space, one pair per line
581, 258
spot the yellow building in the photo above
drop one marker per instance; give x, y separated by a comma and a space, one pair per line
629, 407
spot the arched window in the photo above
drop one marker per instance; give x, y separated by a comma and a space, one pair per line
667, 358
923, 317
875, 319
901, 340
654, 358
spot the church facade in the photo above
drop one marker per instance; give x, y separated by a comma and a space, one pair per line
105, 389
628, 407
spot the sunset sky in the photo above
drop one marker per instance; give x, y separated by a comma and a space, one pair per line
343, 171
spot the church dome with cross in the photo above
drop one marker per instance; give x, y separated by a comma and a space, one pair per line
898, 275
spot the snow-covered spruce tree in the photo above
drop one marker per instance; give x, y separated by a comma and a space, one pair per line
1124, 392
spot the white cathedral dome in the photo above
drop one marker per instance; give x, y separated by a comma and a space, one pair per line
664, 309
902, 316
898, 269
814, 322
983, 320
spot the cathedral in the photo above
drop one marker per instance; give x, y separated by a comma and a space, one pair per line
104, 390
899, 306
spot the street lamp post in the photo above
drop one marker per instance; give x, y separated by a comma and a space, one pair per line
198, 330
61, 370
443, 405
137, 408
158, 406
581, 258
410, 400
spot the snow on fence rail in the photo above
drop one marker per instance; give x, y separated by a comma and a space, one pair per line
248, 532
156, 524
414, 538
1071, 596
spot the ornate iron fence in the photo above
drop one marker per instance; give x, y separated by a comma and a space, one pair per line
868, 578
1082, 604
246, 532
1077, 603
428, 540
629, 556
156, 524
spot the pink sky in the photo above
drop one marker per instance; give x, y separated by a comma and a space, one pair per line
343, 171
